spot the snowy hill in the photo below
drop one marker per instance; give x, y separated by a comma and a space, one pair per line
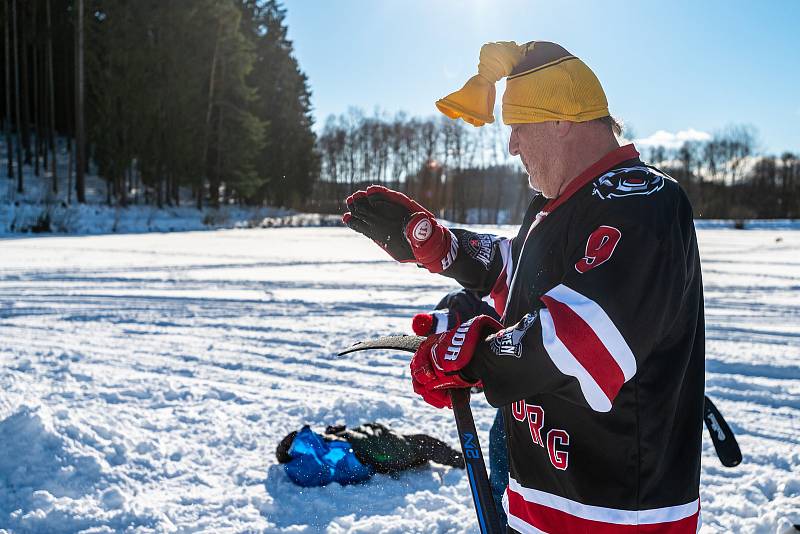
146, 380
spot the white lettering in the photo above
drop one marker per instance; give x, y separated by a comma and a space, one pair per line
450, 257
452, 353
459, 337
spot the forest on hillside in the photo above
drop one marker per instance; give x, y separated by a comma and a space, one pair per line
157, 96
204, 102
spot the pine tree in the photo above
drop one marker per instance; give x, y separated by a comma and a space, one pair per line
235, 135
289, 162
170, 93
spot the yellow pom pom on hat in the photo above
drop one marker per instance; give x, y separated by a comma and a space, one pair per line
544, 83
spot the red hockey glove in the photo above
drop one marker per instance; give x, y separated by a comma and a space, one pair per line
433, 245
381, 214
436, 365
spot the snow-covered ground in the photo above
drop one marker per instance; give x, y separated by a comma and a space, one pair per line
85, 219
145, 381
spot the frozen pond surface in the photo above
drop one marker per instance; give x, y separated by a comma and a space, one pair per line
145, 381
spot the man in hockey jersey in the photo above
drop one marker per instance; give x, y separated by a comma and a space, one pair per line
597, 362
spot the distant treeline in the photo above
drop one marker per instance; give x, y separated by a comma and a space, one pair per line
462, 173
726, 178
158, 96
457, 171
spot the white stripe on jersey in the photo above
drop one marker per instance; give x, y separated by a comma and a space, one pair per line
599, 513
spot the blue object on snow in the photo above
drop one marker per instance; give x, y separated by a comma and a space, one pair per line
317, 461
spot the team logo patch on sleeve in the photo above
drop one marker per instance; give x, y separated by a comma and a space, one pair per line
479, 247
508, 342
629, 181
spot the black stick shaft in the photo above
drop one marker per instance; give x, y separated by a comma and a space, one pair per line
488, 520
721, 435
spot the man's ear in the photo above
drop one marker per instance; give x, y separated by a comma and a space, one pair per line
563, 128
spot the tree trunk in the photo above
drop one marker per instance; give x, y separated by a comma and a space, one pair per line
70, 161
499, 192
122, 192
218, 165
9, 147
160, 182
216, 181
34, 49
52, 106
23, 79
209, 109
80, 150
20, 186
136, 178
127, 184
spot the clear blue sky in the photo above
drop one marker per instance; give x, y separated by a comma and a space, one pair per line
665, 66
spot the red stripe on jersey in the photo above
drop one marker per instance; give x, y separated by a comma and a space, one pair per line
586, 347
551, 520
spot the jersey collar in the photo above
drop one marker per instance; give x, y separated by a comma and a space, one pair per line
609, 161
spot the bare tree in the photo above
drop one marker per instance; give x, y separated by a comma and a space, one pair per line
36, 103
80, 137
52, 99
23, 128
7, 34
209, 109
20, 185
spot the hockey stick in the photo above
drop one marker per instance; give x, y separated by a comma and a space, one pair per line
721, 435
488, 519
476, 468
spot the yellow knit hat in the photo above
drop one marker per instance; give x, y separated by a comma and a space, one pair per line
545, 83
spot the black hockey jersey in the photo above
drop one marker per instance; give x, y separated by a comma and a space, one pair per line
600, 368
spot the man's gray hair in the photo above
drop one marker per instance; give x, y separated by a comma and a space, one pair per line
613, 124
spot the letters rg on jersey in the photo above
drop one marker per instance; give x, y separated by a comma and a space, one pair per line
557, 440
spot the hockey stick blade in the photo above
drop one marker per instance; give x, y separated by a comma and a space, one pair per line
721, 435
488, 520
404, 343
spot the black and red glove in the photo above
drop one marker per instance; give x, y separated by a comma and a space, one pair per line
437, 364
381, 214
403, 228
